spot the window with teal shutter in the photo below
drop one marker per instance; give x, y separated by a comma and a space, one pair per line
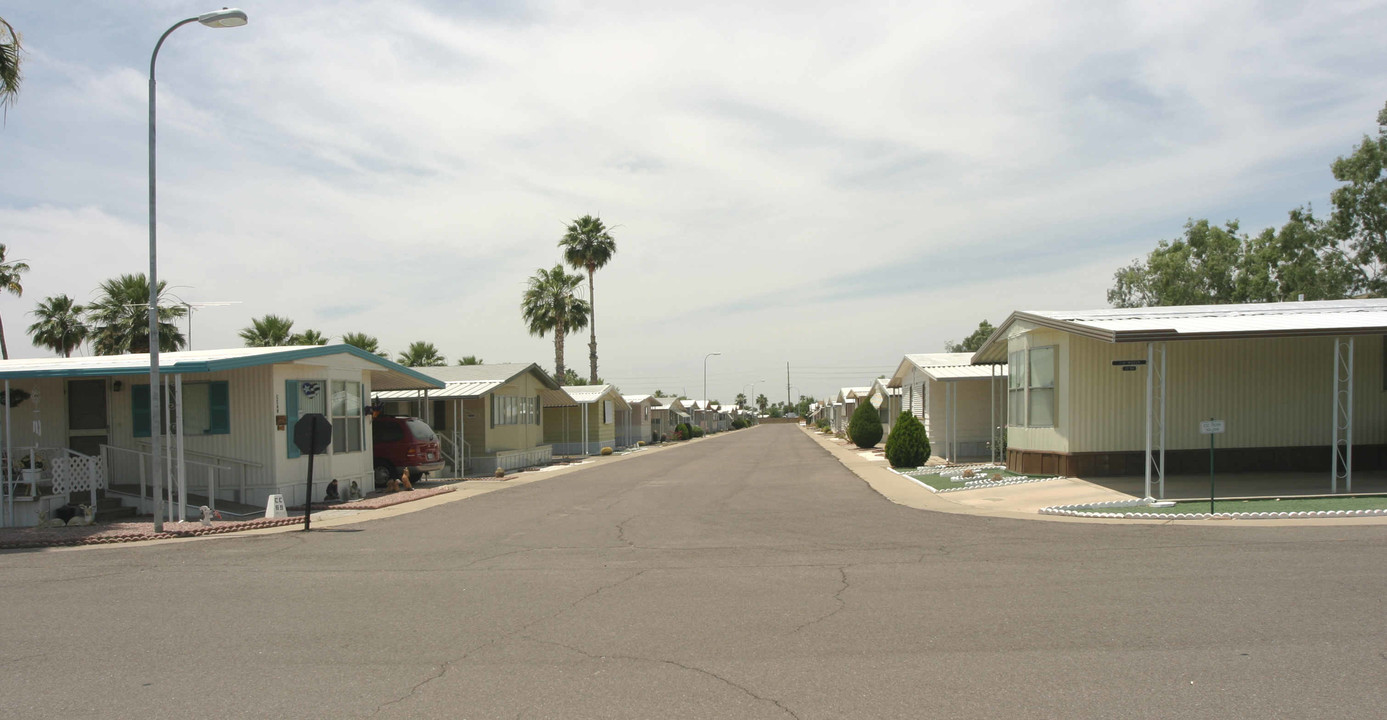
291, 408
139, 409
219, 408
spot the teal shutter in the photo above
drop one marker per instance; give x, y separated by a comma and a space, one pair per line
538, 404
291, 408
139, 409
219, 408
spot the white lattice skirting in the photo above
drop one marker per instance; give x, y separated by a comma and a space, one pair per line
77, 474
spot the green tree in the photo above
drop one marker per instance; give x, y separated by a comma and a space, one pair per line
269, 331
802, 407
119, 318
741, 400
587, 244
308, 337
549, 305
762, 402
572, 378
864, 427
369, 343
470, 360
659, 393
973, 342
10, 49
60, 325
1360, 206
11, 272
908, 446
1212, 265
421, 354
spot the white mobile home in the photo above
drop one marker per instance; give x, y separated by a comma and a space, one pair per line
586, 425
226, 431
1298, 386
961, 405
637, 422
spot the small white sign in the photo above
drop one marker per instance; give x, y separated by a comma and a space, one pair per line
1210, 427
275, 508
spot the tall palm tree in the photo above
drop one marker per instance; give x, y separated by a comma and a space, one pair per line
421, 354
10, 273
269, 331
470, 360
60, 327
549, 305
369, 343
587, 244
9, 65
308, 337
119, 318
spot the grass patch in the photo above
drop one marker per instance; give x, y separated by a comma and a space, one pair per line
1250, 506
939, 482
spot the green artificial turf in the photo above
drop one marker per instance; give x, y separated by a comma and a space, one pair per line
1251, 506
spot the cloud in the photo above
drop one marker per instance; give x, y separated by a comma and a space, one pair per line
782, 175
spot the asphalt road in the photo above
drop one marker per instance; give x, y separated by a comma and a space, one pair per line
744, 576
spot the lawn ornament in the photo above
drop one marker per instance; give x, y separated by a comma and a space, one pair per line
47, 522
87, 517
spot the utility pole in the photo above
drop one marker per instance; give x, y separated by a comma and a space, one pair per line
787, 386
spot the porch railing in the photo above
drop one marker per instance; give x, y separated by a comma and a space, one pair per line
202, 476
245, 472
450, 453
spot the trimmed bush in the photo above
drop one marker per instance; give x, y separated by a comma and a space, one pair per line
606, 451
640, 443
908, 446
682, 431
697, 431
864, 429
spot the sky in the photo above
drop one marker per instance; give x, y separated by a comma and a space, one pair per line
828, 185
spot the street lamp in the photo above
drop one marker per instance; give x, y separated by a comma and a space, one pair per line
705, 380
224, 18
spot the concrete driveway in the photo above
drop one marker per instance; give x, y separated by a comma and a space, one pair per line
747, 576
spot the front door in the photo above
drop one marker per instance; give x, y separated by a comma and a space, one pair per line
87, 424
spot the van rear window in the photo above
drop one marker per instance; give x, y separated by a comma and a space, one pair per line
420, 430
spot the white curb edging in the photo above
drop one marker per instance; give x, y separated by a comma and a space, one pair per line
1094, 510
973, 483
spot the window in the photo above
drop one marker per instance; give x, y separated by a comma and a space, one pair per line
608, 412
511, 410
206, 409
1031, 387
346, 416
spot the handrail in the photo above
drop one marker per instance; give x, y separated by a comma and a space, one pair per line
221, 458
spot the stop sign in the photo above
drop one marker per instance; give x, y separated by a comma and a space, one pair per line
312, 434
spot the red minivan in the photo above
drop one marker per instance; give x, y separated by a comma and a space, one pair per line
404, 442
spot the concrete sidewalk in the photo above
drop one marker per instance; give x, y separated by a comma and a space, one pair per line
1018, 501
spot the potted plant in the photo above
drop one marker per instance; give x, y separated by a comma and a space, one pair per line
30, 468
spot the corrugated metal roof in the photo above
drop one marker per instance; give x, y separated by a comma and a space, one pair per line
1203, 322
942, 366
637, 399
389, 375
470, 381
593, 393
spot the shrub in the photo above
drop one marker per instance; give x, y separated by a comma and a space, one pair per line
640, 443
606, 451
697, 431
500, 472
908, 446
664, 438
864, 429
682, 432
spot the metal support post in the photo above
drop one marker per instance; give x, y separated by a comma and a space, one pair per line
1341, 461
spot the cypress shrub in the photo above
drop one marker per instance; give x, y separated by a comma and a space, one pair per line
864, 429
908, 445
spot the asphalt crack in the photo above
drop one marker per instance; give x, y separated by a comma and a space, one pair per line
674, 663
442, 669
837, 597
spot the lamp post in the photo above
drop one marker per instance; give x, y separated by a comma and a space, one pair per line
224, 18
705, 380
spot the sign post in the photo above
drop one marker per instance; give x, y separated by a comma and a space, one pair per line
312, 435
1211, 427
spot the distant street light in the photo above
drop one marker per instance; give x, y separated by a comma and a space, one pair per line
705, 379
224, 18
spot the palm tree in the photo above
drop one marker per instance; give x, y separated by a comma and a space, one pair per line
308, 337
10, 273
741, 399
470, 360
9, 65
421, 354
59, 327
369, 343
587, 244
269, 331
549, 305
762, 402
119, 319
